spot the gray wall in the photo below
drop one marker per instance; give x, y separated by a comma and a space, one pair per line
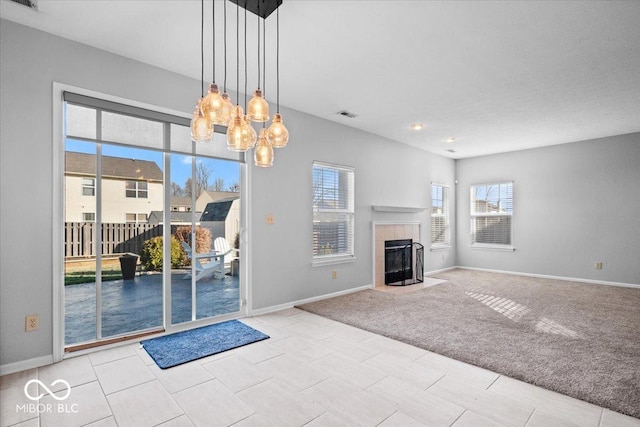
385, 174
30, 61
574, 205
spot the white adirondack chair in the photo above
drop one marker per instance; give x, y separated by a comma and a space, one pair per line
215, 264
223, 249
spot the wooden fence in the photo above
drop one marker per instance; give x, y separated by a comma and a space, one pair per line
79, 237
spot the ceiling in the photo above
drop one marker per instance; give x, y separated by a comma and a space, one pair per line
496, 76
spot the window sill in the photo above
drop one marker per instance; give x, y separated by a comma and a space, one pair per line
331, 261
500, 248
440, 248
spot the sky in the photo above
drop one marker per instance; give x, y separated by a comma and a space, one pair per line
180, 163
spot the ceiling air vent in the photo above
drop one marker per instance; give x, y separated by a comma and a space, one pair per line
33, 4
346, 113
451, 150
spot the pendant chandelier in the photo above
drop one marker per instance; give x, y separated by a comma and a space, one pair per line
216, 109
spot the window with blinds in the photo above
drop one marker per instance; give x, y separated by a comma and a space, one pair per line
440, 235
491, 214
333, 213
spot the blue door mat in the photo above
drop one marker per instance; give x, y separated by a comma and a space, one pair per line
182, 347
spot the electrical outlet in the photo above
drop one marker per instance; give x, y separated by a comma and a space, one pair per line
31, 323
334, 274
268, 219
598, 266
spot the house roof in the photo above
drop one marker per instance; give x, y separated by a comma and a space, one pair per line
218, 210
180, 201
155, 217
221, 195
112, 167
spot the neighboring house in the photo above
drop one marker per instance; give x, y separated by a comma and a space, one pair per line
180, 204
131, 189
177, 218
209, 196
222, 217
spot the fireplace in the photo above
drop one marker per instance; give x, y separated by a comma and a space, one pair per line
407, 233
398, 261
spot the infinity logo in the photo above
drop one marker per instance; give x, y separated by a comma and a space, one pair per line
48, 390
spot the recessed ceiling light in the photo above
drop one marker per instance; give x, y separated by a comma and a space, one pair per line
451, 139
417, 126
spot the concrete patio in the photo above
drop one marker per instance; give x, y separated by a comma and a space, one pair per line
133, 305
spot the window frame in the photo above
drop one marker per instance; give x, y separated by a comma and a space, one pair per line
348, 211
137, 219
136, 189
473, 215
91, 186
446, 214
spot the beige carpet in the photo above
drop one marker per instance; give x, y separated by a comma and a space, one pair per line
579, 339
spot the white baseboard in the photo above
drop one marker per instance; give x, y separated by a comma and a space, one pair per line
23, 365
546, 276
271, 309
442, 270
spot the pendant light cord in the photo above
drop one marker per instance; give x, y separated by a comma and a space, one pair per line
238, 52
225, 45
258, 45
213, 30
245, 56
278, 60
202, 48
264, 62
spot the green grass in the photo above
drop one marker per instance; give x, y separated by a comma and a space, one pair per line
78, 277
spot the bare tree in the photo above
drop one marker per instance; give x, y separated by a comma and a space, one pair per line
188, 188
218, 184
234, 187
176, 190
203, 173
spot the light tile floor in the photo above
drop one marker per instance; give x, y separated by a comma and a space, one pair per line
312, 371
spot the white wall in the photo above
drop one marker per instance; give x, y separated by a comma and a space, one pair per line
385, 174
30, 61
574, 205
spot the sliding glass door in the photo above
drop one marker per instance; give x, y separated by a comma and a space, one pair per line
151, 225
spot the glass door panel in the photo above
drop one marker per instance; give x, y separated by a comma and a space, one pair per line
80, 242
205, 206
218, 208
181, 213
131, 230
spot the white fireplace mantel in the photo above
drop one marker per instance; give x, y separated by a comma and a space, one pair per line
401, 209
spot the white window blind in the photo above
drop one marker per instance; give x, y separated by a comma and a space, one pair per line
333, 212
491, 214
440, 234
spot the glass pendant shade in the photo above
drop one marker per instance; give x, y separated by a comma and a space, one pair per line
263, 154
214, 107
201, 129
228, 110
258, 109
249, 133
277, 134
236, 138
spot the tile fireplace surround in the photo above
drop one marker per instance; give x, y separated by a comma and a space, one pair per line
391, 231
